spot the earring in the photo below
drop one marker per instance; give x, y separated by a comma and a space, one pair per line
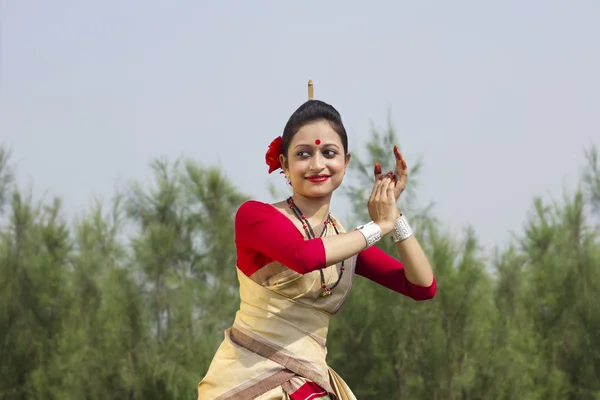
287, 178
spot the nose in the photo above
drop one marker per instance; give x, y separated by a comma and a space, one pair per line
316, 163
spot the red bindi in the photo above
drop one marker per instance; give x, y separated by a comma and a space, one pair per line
317, 142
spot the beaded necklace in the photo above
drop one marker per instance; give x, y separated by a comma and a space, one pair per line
311, 235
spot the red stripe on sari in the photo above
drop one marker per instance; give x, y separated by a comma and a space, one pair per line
309, 391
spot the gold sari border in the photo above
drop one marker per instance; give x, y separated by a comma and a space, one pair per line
280, 356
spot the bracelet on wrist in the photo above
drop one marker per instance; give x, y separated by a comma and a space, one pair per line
402, 230
372, 233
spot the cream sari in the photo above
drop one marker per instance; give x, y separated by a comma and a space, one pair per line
278, 340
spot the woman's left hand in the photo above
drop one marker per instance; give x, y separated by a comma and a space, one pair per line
401, 172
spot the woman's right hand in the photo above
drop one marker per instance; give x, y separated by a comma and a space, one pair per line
382, 203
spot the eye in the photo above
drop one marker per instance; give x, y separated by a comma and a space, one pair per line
329, 153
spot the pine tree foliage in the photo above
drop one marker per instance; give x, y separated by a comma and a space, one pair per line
130, 299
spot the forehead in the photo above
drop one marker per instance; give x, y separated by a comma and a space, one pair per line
321, 130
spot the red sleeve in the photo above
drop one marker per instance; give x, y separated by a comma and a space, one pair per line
261, 228
377, 266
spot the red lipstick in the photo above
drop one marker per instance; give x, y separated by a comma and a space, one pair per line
318, 178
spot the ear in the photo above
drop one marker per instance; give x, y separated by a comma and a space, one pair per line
348, 157
284, 162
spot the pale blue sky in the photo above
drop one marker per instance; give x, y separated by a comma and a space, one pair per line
498, 97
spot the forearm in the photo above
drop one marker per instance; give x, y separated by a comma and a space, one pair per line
416, 265
341, 247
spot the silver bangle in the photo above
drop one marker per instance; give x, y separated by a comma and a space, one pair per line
401, 230
372, 233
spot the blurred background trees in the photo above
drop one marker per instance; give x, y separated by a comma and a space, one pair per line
130, 300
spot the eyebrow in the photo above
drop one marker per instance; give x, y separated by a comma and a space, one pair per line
310, 145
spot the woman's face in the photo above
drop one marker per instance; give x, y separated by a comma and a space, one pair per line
316, 163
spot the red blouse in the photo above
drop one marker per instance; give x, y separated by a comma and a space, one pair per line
263, 234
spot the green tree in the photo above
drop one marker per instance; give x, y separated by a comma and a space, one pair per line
130, 300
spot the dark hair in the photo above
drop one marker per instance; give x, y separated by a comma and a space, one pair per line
312, 111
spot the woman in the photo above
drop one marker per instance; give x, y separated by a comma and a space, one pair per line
295, 264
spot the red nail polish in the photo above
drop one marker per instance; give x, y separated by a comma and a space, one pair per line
377, 169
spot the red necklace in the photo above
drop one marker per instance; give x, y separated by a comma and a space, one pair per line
311, 235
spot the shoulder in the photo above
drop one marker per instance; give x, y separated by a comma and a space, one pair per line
252, 210
255, 220
255, 206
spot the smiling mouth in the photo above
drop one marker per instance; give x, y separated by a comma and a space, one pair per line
318, 178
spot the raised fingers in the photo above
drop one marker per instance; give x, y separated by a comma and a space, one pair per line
386, 182
376, 190
377, 171
399, 159
389, 190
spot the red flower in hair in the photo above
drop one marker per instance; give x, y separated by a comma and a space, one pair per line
272, 156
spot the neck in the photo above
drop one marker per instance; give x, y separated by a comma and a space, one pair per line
313, 207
